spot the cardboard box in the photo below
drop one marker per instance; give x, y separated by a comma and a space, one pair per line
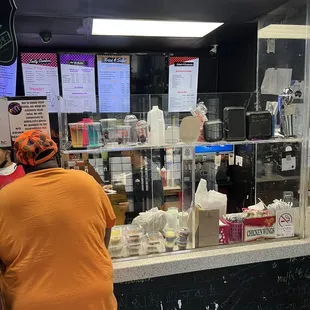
206, 227
259, 228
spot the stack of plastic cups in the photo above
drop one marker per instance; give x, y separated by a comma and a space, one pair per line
76, 131
94, 134
183, 238
170, 237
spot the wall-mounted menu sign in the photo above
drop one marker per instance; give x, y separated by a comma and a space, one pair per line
114, 83
8, 42
8, 80
5, 136
27, 113
183, 83
78, 83
40, 73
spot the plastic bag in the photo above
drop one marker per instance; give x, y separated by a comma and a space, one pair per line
210, 200
152, 220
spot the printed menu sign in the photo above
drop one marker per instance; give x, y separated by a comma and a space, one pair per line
40, 73
8, 80
78, 83
27, 113
183, 83
114, 83
5, 137
8, 42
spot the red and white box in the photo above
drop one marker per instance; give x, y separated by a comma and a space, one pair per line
259, 228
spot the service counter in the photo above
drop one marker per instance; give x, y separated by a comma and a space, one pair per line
261, 276
167, 264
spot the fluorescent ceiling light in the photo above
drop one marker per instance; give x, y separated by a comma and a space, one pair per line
274, 31
152, 28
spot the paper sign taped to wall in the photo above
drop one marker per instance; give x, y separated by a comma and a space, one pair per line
5, 136
275, 80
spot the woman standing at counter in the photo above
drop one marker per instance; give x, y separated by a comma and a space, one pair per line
9, 171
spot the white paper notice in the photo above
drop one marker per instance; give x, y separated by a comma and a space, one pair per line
8, 80
114, 83
78, 83
183, 83
5, 136
27, 113
275, 80
284, 223
40, 74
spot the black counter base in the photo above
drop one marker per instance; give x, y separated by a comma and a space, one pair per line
282, 284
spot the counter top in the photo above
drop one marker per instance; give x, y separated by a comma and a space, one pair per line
127, 270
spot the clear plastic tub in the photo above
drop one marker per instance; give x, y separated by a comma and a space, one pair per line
153, 248
116, 235
134, 234
154, 239
134, 249
169, 246
116, 250
170, 235
181, 244
183, 234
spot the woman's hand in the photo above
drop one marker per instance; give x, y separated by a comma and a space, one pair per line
107, 187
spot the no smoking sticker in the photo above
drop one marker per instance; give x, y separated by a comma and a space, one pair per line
284, 223
285, 220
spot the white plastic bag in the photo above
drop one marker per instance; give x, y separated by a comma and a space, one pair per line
210, 200
152, 220
216, 200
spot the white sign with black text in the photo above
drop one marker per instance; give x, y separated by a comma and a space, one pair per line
27, 113
284, 223
5, 137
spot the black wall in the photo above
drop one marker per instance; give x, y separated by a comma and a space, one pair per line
233, 69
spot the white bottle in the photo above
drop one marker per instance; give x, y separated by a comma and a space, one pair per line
156, 127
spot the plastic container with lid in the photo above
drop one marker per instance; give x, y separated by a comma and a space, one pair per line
108, 126
183, 234
116, 235
123, 133
94, 134
76, 131
134, 234
134, 249
169, 244
154, 248
181, 244
154, 238
116, 250
141, 128
170, 235
131, 120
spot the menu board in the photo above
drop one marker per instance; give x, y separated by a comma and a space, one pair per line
40, 73
27, 113
183, 83
78, 83
8, 80
5, 136
114, 83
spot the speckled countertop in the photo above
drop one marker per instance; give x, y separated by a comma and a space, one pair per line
207, 258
